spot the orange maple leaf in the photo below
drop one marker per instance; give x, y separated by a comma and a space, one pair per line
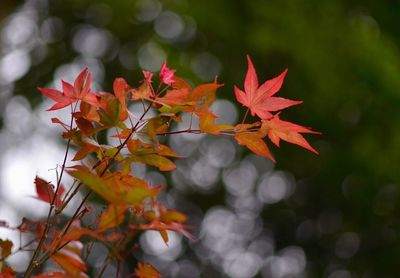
253, 139
145, 270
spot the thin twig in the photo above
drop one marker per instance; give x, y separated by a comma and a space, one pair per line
32, 264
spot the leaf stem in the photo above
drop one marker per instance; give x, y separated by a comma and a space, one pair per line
245, 116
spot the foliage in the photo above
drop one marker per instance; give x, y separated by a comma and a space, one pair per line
131, 203
344, 66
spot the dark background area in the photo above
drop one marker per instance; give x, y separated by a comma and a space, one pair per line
339, 215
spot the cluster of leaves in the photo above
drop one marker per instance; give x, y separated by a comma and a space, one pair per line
131, 204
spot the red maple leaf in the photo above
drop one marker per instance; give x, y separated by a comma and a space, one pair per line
45, 191
148, 76
121, 89
166, 74
145, 90
72, 93
260, 99
290, 132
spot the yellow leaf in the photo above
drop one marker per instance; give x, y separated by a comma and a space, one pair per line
116, 188
162, 163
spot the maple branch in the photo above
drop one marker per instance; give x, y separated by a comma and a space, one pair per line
77, 211
198, 131
104, 266
68, 197
72, 219
195, 131
89, 249
36, 253
50, 253
105, 169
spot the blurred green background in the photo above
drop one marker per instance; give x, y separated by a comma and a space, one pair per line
337, 214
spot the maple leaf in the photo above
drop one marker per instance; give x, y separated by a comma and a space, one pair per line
167, 74
84, 125
5, 248
121, 89
111, 217
154, 155
163, 220
166, 151
116, 188
145, 270
206, 122
7, 272
112, 112
89, 112
154, 126
45, 191
193, 99
85, 150
260, 99
174, 97
75, 233
5, 251
277, 129
162, 228
70, 261
72, 93
145, 90
253, 139
161, 162
169, 216
148, 76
